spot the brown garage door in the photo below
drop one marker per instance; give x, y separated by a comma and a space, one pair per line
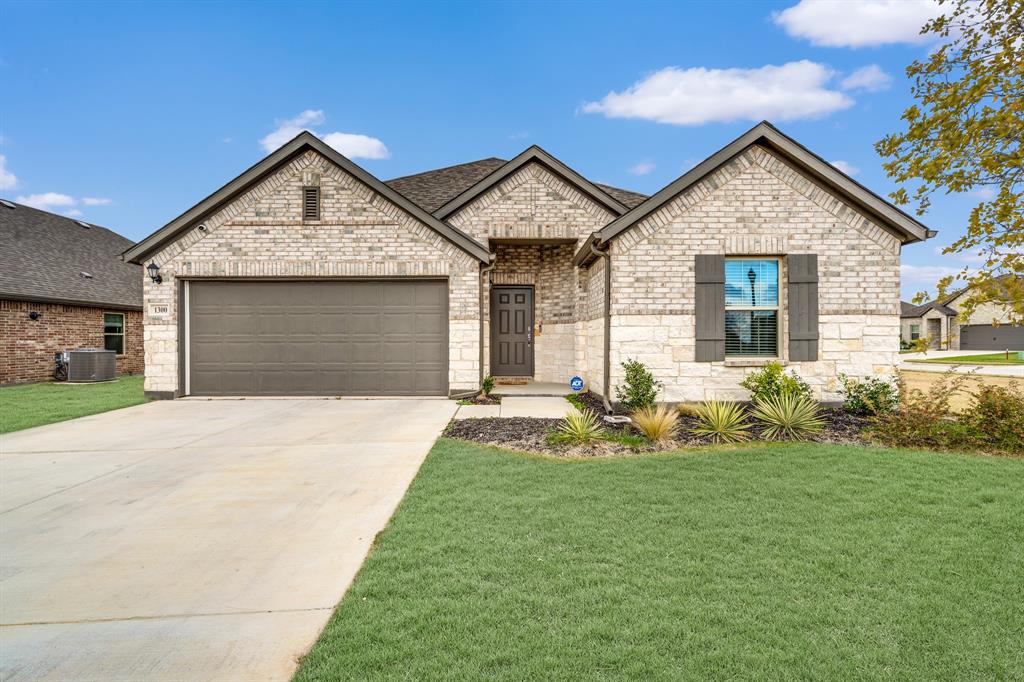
987, 337
318, 338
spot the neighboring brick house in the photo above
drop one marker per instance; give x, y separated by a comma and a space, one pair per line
308, 275
940, 321
63, 286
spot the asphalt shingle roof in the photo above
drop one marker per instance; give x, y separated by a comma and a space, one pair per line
43, 256
433, 189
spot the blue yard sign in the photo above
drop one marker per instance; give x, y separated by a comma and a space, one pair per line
576, 384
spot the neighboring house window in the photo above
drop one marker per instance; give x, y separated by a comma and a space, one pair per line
113, 332
751, 308
915, 332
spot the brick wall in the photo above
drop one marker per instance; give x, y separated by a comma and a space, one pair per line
360, 234
755, 205
27, 346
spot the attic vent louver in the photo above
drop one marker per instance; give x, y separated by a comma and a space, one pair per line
85, 275
311, 203
85, 225
7, 204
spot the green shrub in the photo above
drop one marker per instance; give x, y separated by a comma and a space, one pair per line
723, 422
576, 401
641, 388
868, 396
788, 416
771, 382
996, 418
656, 423
580, 428
487, 385
924, 420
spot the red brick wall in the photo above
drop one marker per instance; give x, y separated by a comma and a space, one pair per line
27, 346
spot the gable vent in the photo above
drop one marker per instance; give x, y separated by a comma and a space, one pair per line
311, 203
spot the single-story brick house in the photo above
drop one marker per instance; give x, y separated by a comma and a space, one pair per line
940, 321
308, 275
63, 286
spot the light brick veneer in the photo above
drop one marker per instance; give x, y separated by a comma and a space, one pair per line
534, 204
757, 204
360, 234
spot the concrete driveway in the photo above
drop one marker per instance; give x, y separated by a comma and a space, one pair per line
194, 540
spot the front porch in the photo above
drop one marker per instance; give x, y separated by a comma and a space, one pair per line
534, 336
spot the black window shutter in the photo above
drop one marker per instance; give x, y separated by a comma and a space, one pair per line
803, 306
710, 307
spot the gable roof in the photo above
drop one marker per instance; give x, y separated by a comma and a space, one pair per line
533, 153
911, 310
43, 256
434, 188
297, 145
907, 228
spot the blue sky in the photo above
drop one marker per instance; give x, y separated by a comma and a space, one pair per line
128, 114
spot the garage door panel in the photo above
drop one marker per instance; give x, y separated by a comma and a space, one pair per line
987, 337
318, 338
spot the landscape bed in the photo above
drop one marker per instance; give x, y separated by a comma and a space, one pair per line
777, 561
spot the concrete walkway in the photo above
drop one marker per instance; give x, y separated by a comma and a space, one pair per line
194, 540
541, 407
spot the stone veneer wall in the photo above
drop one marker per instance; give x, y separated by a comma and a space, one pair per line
755, 205
534, 205
360, 234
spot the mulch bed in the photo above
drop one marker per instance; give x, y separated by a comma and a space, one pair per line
530, 434
481, 399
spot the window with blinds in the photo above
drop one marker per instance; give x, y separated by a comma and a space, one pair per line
311, 203
751, 307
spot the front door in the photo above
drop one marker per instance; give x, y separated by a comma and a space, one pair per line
512, 331
935, 333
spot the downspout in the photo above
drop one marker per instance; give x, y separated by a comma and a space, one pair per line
485, 271
607, 322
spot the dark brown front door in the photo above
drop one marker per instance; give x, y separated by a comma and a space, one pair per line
512, 331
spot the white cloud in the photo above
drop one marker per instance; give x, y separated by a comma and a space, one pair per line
350, 144
984, 193
8, 180
642, 168
227, 140
870, 78
858, 23
699, 95
72, 213
925, 275
357, 146
47, 200
521, 135
97, 201
845, 167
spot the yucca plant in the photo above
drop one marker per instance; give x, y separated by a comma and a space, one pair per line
580, 427
789, 416
657, 423
723, 422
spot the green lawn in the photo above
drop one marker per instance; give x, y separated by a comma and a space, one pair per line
30, 405
987, 359
771, 562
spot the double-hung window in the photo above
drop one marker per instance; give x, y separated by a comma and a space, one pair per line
752, 307
915, 332
113, 332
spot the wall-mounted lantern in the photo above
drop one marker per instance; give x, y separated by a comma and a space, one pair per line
154, 273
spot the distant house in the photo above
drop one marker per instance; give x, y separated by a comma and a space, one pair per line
987, 329
63, 285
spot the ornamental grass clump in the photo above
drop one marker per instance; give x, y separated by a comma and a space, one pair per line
580, 428
722, 422
658, 424
788, 416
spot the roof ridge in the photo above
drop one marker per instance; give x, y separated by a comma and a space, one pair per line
444, 168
